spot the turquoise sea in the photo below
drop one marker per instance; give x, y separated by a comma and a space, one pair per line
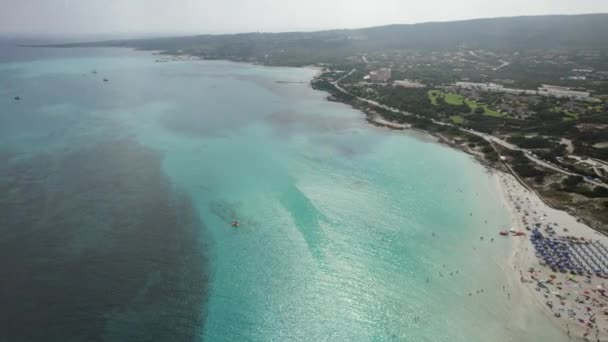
117, 197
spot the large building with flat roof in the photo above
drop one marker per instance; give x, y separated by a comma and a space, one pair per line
556, 91
545, 90
381, 75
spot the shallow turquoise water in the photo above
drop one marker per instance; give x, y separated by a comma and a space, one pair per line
349, 232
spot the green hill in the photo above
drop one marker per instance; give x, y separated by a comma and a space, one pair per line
297, 48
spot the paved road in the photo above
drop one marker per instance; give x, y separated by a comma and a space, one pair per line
373, 103
532, 157
485, 136
472, 53
504, 64
336, 82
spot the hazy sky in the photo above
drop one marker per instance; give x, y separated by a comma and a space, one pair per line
218, 16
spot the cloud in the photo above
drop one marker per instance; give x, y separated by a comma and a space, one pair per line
223, 16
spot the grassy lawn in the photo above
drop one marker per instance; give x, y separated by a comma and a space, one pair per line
450, 98
491, 112
457, 119
456, 100
570, 116
487, 111
433, 94
567, 114
596, 108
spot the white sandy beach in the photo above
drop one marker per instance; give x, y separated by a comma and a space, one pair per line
575, 303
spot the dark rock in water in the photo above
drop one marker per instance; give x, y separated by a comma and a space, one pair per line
96, 245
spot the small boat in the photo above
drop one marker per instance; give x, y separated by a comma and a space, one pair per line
94, 72
503, 233
236, 223
105, 80
17, 98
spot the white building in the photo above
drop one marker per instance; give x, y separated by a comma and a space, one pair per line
545, 90
381, 75
481, 86
549, 90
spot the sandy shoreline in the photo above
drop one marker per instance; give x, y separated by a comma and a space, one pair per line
575, 299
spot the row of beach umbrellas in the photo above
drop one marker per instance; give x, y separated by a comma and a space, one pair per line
566, 256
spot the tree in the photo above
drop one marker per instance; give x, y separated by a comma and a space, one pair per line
599, 191
572, 181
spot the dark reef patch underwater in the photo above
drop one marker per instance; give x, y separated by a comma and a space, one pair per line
97, 245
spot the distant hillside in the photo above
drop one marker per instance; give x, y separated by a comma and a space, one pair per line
297, 48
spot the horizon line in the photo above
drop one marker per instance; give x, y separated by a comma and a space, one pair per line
149, 34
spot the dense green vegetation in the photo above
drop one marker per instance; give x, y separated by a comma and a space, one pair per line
575, 184
448, 98
439, 97
531, 143
405, 99
457, 119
